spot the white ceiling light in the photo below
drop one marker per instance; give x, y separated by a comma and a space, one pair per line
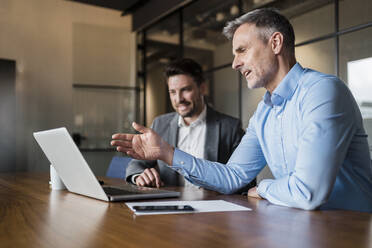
220, 16
234, 10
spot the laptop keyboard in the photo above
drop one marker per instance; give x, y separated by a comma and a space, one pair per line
128, 191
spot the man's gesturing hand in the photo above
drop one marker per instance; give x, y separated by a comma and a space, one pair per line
147, 145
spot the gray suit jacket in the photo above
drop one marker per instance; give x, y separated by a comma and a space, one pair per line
223, 136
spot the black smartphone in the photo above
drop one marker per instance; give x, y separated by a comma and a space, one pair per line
167, 208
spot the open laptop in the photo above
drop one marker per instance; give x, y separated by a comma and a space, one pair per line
76, 174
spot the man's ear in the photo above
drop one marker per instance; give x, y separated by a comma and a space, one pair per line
276, 42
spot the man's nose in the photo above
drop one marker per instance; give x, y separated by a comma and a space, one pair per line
236, 64
179, 97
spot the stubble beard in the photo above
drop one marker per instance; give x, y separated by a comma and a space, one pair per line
259, 84
264, 80
190, 113
194, 109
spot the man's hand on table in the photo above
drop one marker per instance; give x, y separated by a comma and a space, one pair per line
149, 178
252, 192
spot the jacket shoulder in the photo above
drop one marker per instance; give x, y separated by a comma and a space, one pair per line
224, 118
161, 123
164, 118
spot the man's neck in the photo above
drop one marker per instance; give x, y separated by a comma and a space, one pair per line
285, 65
191, 119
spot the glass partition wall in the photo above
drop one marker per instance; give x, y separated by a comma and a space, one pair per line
332, 36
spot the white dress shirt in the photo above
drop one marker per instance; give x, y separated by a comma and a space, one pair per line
191, 138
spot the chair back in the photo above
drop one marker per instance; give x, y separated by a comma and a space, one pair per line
118, 166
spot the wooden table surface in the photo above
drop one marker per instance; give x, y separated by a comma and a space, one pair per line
32, 215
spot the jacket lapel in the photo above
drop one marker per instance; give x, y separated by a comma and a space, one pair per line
212, 136
173, 139
173, 131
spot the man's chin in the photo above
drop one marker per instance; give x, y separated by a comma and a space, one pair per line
254, 85
185, 114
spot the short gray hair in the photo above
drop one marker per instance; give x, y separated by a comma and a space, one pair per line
268, 20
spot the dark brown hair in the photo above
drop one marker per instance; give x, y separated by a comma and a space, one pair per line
185, 66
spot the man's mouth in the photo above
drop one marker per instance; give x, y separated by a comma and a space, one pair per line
246, 73
182, 106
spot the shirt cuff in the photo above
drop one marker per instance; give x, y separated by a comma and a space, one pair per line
263, 186
182, 162
133, 178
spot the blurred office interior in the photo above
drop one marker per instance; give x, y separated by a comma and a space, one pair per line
95, 66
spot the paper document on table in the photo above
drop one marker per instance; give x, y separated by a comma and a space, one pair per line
199, 206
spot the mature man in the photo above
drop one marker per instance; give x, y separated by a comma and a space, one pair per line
307, 128
194, 128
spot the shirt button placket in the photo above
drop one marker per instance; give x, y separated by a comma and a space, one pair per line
282, 136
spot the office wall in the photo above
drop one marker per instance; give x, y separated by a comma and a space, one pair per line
226, 84
320, 55
156, 93
7, 115
38, 35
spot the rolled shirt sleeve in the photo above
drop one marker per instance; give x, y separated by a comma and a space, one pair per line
243, 166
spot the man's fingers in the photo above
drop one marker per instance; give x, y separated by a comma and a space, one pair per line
140, 128
140, 181
126, 144
124, 149
122, 136
150, 175
129, 152
158, 181
133, 154
123, 143
146, 179
252, 192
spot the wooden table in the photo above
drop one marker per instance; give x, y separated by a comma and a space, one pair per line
32, 215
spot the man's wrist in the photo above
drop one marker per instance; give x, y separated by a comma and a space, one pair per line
168, 155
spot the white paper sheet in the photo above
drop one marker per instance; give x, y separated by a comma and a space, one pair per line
199, 206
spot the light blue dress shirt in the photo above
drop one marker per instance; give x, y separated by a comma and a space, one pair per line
310, 133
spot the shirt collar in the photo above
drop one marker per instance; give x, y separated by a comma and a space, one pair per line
286, 88
201, 119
